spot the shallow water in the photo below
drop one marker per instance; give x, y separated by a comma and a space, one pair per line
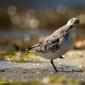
5, 64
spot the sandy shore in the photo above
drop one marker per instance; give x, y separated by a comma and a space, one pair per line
72, 67
38, 71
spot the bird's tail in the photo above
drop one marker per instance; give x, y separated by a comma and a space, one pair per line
31, 48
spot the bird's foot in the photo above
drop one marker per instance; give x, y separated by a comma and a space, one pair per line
56, 70
54, 66
61, 57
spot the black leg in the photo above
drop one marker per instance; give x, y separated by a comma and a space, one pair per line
61, 57
53, 65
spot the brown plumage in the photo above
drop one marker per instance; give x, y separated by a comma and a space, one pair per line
58, 43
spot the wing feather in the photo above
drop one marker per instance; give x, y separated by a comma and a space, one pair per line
52, 42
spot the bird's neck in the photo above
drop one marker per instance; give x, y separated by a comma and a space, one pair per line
71, 33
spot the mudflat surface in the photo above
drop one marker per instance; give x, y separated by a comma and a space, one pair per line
72, 67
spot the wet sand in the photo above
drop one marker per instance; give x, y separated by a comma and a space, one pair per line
39, 72
71, 67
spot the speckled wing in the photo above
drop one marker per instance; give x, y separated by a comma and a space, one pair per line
52, 42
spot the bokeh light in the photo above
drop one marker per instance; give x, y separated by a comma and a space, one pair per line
26, 37
82, 18
33, 23
61, 9
11, 10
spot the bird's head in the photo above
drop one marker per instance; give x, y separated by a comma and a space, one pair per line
74, 22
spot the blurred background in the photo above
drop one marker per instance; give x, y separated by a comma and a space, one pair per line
23, 23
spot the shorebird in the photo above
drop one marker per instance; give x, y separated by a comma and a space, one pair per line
58, 43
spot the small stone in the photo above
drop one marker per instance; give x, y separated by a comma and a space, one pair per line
24, 71
2, 70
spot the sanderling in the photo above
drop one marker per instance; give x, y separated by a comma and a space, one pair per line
58, 43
